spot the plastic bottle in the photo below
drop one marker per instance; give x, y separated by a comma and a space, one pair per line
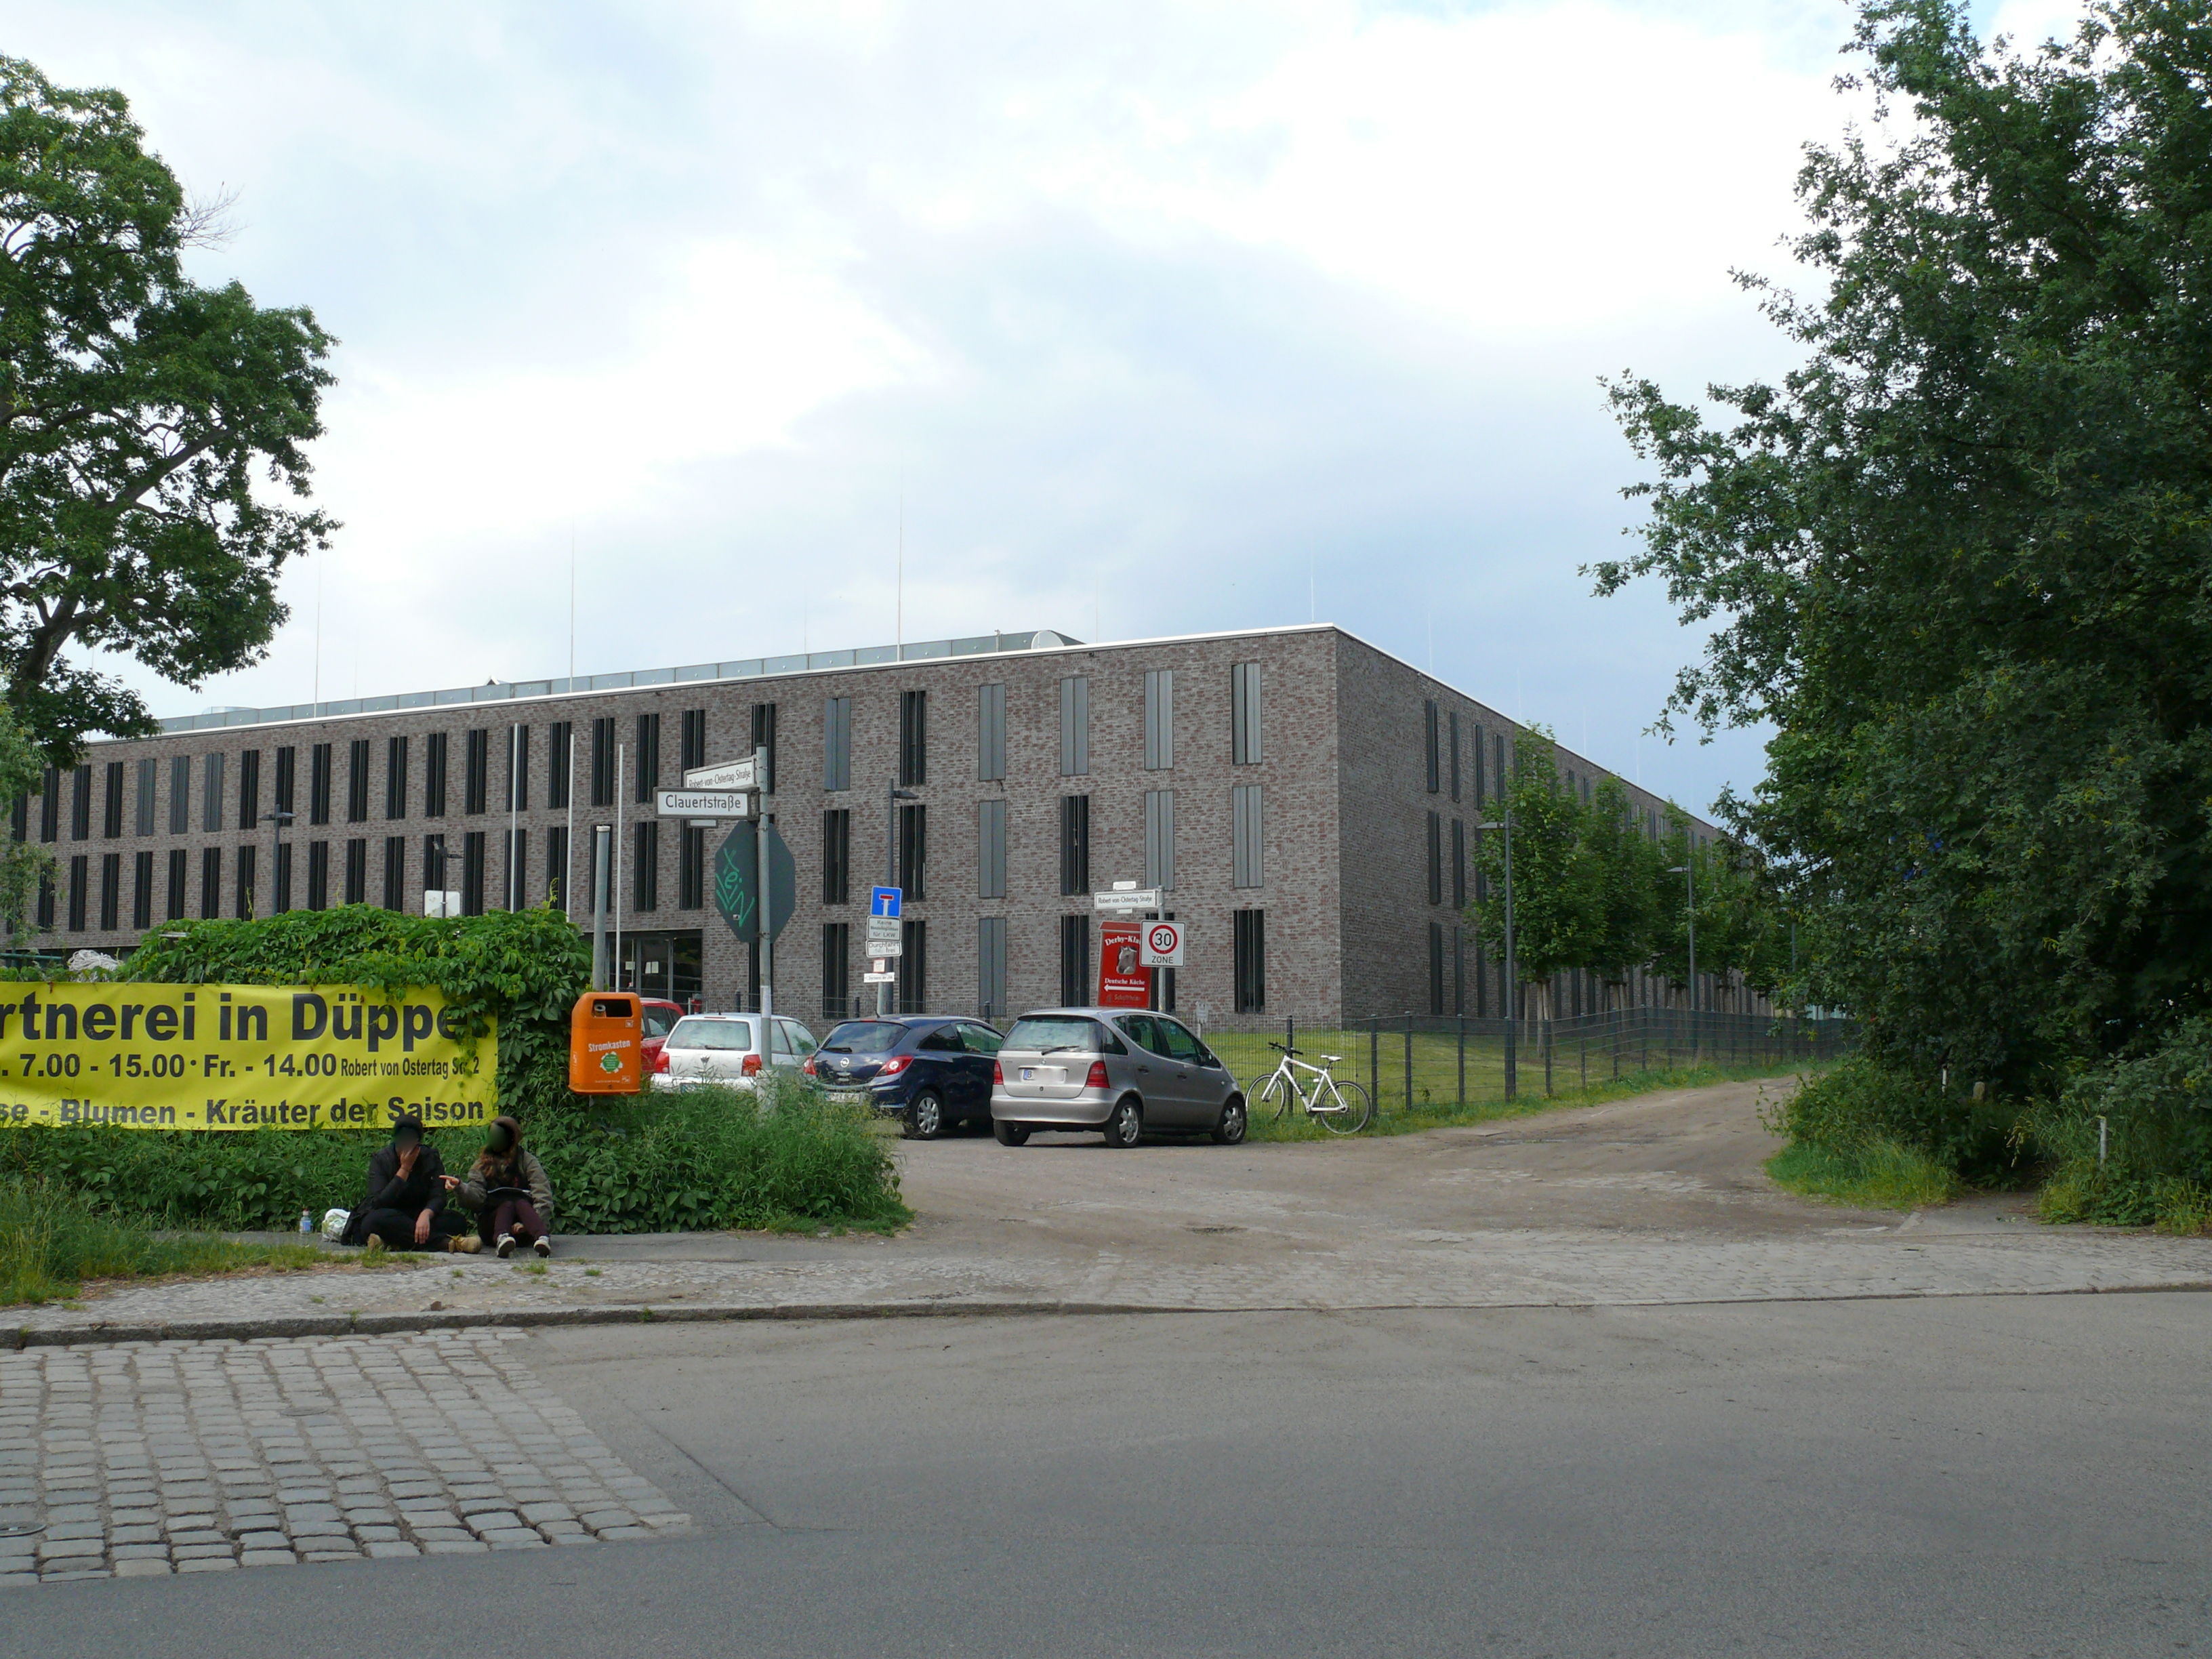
306, 1221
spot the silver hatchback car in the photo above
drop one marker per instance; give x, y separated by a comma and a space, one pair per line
1120, 1071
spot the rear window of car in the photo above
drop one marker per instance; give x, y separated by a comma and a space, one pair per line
658, 1021
864, 1037
736, 1034
1034, 1036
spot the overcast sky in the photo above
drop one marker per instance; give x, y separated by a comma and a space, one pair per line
1145, 319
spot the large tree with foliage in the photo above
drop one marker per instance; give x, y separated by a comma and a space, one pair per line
143, 420
1558, 896
1961, 557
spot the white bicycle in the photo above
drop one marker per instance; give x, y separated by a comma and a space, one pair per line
1341, 1108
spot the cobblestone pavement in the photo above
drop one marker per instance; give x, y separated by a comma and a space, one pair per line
142, 1459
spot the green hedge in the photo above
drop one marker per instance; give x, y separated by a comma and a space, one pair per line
707, 1158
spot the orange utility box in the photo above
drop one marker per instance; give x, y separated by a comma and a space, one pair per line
606, 1039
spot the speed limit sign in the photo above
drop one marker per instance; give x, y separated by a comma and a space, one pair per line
1162, 947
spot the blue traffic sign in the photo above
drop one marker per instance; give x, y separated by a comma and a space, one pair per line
883, 902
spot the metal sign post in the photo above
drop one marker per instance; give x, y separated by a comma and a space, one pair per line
601, 836
767, 929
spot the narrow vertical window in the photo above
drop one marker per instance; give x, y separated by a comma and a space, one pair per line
288, 769
210, 884
318, 783
645, 767
395, 872
991, 967
914, 849
395, 777
913, 739
211, 793
694, 745
50, 807
19, 826
357, 781
837, 856
518, 770
1074, 961
1074, 844
1435, 968
1244, 744
644, 866
80, 889
473, 845
319, 875
604, 761
559, 760
837, 743
1075, 726
142, 890
180, 795
1248, 947
280, 901
912, 965
111, 811
1247, 835
1475, 750
691, 869
149, 778
1159, 720
1453, 747
476, 776
990, 732
249, 878
556, 864
1159, 838
46, 902
836, 970
990, 848
764, 737
1459, 864
518, 868
1436, 859
81, 805
434, 750
181, 881
1432, 745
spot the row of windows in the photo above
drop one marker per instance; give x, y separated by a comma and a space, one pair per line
1249, 967
445, 870
1442, 748
616, 757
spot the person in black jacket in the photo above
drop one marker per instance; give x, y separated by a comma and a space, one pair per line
404, 1205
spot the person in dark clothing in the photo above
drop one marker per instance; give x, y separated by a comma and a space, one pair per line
509, 1191
404, 1205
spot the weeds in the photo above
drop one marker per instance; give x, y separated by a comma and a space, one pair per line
52, 1240
1883, 1174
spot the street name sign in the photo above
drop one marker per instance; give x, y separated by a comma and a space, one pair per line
706, 804
1128, 898
730, 775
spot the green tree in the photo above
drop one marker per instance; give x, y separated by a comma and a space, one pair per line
1623, 862
138, 413
1960, 555
1557, 914
24, 864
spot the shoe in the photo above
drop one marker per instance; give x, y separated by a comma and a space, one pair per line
375, 1243
543, 1247
464, 1243
506, 1245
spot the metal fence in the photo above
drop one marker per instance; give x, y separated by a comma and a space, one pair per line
1414, 1060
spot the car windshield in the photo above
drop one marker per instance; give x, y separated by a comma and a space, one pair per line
864, 1037
1045, 1033
712, 1034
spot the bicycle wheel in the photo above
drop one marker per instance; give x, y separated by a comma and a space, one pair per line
1272, 1096
1351, 1112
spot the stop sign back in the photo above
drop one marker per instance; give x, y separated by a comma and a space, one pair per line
1161, 946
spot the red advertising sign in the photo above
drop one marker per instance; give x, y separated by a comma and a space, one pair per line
1123, 981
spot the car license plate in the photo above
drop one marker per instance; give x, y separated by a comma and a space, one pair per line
1029, 1074
847, 1097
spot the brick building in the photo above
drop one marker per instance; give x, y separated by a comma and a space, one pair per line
1306, 801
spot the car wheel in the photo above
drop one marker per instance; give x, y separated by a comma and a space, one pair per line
925, 1118
1229, 1131
1010, 1134
1126, 1127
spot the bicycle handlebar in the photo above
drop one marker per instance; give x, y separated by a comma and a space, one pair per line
1288, 1051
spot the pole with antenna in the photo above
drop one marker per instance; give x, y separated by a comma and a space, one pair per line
899, 612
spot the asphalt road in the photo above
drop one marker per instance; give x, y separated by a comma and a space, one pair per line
2002, 1476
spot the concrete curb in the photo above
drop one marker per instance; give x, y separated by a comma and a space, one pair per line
385, 1324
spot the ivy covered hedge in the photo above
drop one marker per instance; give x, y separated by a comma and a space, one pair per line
707, 1158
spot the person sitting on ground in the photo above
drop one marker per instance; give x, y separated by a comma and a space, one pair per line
509, 1191
404, 1205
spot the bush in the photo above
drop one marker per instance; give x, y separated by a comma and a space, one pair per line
705, 1158
51, 1239
1863, 1109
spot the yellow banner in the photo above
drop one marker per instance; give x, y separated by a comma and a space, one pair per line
237, 1057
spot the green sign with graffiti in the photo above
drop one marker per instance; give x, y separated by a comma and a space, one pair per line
737, 883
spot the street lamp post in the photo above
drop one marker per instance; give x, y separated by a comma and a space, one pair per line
1687, 870
1512, 970
892, 795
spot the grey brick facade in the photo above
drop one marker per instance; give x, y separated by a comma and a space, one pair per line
1336, 839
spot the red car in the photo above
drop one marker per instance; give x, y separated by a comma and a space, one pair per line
660, 1019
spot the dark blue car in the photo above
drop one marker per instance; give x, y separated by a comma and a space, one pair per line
928, 1070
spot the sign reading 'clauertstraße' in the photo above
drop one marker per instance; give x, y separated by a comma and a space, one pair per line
240, 1057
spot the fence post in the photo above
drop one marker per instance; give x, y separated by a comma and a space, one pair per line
1462, 1060
1290, 1030
1375, 1059
1409, 1061
1547, 1056
1513, 1067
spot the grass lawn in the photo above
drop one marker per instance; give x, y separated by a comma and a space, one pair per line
50, 1242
